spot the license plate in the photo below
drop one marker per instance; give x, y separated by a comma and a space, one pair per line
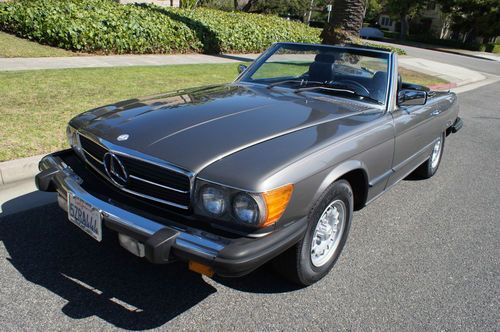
85, 216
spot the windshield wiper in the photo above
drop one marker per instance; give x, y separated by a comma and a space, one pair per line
323, 88
302, 81
352, 92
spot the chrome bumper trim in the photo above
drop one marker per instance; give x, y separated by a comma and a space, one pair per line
65, 180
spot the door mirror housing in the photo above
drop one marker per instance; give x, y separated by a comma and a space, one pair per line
242, 68
412, 97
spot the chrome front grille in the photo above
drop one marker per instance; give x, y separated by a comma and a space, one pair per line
145, 179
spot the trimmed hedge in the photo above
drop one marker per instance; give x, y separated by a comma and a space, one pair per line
104, 26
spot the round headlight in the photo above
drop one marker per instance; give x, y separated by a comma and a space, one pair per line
246, 209
213, 200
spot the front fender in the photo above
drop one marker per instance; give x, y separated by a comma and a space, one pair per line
338, 172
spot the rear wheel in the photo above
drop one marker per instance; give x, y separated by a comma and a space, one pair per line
430, 167
329, 220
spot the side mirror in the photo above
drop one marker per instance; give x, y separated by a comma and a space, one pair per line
241, 68
412, 97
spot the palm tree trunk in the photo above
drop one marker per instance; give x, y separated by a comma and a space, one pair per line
346, 21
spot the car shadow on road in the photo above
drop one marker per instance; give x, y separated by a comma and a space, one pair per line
105, 281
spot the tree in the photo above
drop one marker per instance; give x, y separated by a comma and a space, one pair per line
474, 18
404, 9
345, 22
373, 10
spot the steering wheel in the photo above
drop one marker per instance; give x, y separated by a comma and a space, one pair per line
356, 85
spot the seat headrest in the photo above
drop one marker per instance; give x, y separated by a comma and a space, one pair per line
325, 57
380, 76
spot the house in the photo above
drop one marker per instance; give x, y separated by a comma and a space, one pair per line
430, 20
386, 23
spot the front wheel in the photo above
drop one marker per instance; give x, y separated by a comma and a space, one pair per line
329, 221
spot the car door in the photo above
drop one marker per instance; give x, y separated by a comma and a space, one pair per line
414, 131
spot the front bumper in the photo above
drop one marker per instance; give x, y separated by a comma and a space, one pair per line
163, 242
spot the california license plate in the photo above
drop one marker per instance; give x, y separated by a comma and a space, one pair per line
85, 216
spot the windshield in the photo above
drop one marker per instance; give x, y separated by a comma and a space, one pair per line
352, 73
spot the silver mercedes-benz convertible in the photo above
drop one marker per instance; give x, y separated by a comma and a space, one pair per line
268, 168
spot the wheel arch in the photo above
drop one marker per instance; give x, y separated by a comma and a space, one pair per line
354, 172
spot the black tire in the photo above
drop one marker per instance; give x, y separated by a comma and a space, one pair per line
426, 170
296, 263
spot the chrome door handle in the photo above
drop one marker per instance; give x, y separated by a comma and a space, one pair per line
436, 112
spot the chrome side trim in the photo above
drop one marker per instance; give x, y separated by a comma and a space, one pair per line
201, 243
380, 178
157, 184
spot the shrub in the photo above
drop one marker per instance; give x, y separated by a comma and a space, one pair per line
107, 27
385, 46
243, 32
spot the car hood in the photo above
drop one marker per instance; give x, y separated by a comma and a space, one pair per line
196, 127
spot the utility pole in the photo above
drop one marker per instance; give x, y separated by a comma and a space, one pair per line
329, 10
310, 12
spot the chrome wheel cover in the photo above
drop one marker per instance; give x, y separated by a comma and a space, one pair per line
328, 233
436, 153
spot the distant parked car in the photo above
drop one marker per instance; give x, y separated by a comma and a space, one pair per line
371, 33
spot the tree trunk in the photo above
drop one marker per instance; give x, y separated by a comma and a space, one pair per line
345, 23
248, 6
403, 17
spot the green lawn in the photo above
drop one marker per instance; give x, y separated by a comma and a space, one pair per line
35, 106
411, 76
15, 47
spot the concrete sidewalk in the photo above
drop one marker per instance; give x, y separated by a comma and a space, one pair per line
14, 64
458, 76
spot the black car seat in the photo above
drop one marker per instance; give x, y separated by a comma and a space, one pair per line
323, 68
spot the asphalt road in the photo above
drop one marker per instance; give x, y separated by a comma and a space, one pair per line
424, 256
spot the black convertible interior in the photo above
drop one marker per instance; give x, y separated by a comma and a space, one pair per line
324, 69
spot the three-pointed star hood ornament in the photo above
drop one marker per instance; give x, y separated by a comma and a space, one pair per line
123, 137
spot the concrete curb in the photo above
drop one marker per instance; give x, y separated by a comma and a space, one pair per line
18, 169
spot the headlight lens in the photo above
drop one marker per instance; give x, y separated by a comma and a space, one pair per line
213, 200
232, 205
246, 209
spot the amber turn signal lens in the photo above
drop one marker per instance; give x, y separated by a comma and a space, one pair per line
276, 202
201, 268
